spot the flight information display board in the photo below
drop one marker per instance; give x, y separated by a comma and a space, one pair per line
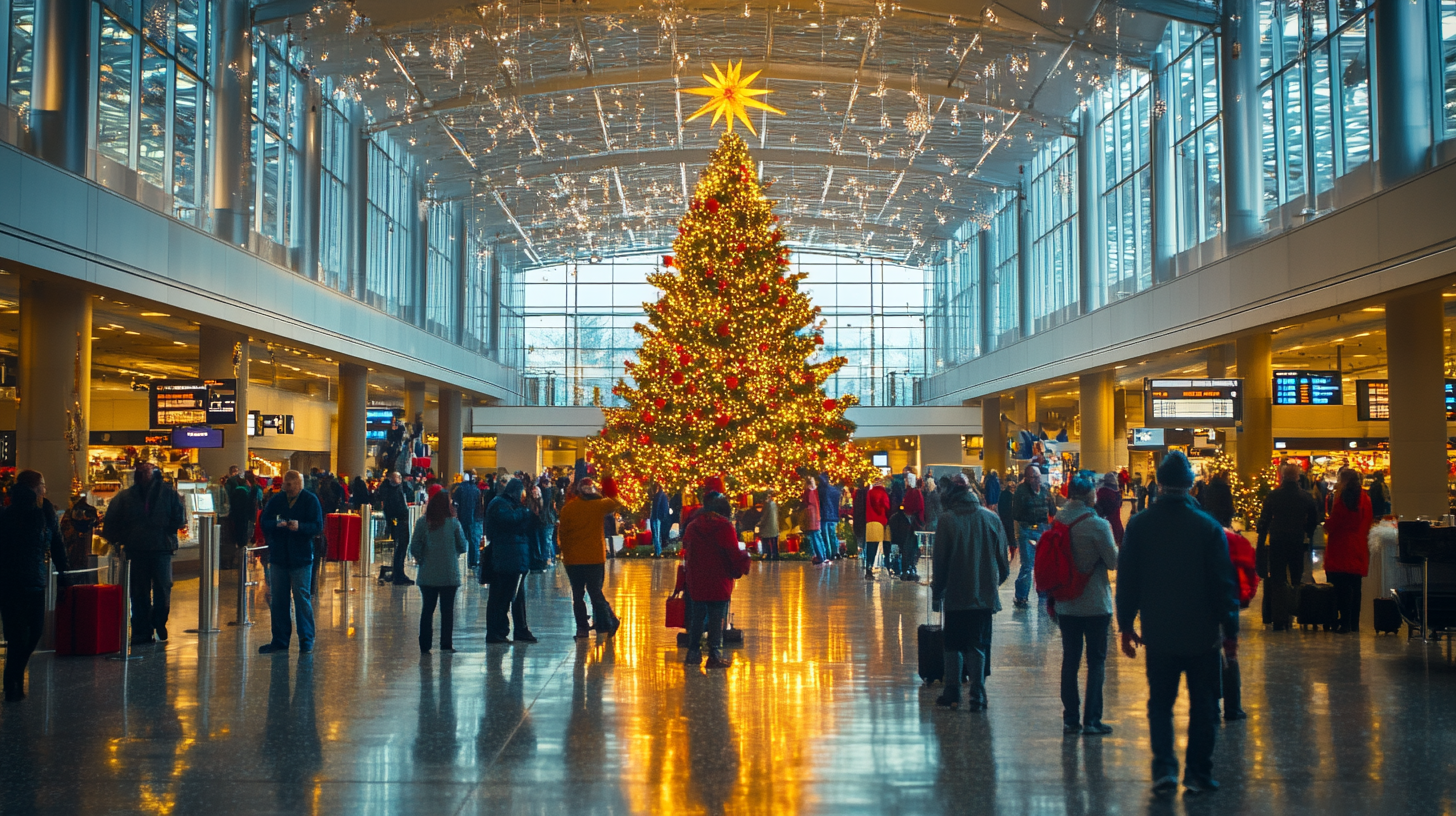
1308, 388
1193, 403
193, 402
1372, 400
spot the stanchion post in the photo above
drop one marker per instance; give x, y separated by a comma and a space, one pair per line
243, 584
207, 540
124, 567
48, 633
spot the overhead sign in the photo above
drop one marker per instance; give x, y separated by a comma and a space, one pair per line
1372, 400
377, 422
1147, 439
197, 437
193, 402
1196, 403
1308, 388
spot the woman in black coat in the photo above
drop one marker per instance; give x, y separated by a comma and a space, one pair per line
28, 530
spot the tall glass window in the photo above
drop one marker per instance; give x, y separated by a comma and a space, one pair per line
278, 95
334, 237
114, 105
391, 228
441, 295
1197, 153
152, 126
1052, 220
953, 304
20, 23
1124, 108
1005, 270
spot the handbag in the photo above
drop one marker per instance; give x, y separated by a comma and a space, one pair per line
485, 567
676, 611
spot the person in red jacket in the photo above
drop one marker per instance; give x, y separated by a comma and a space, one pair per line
913, 506
1347, 547
877, 521
713, 560
1241, 553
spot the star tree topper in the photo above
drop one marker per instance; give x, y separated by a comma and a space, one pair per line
729, 96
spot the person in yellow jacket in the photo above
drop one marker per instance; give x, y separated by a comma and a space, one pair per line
584, 551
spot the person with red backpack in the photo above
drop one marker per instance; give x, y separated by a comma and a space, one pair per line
1072, 562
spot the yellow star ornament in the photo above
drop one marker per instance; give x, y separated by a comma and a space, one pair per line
729, 96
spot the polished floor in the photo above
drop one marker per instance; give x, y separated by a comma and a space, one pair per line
821, 713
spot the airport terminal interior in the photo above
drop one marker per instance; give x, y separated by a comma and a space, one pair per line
773, 261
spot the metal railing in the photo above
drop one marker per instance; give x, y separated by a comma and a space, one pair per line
124, 568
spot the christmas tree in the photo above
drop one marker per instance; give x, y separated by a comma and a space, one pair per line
723, 385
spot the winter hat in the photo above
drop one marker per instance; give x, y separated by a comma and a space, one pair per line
1080, 485
1110, 479
1175, 472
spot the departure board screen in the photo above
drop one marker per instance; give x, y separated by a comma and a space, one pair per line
1203, 403
193, 402
1372, 400
1308, 388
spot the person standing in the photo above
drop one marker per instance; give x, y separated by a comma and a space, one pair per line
1109, 504
28, 533
969, 565
290, 521
545, 507
1285, 524
1175, 578
659, 518
829, 499
358, 492
1085, 619
584, 551
714, 561
1379, 495
912, 504
1031, 509
466, 498
242, 514
437, 543
1241, 553
510, 525
77, 526
1218, 499
396, 523
1347, 547
811, 520
143, 520
768, 528
877, 525
992, 488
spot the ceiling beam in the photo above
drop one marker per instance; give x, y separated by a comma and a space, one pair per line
1184, 11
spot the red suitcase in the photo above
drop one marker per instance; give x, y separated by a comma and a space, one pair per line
341, 531
88, 620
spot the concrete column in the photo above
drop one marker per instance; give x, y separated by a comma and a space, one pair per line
232, 132
311, 189
1097, 420
987, 304
1243, 160
1415, 344
215, 355
462, 275
1023, 260
1255, 355
1217, 361
1403, 88
1089, 294
496, 312
420, 261
451, 451
941, 449
414, 399
61, 85
1025, 412
358, 204
1119, 427
994, 435
55, 383
518, 452
353, 398
1160, 166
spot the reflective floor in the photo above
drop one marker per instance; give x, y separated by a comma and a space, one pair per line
821, 713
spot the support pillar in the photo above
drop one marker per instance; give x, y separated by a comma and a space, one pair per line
1217, 361
1025, 411
451, 451
1089, 295
358, 204
60, 84
215, 355
1023, 260
1243, 165
1160, 166
353, 399
1403, 88
55, 383
987, 303
463, 262
518, 452
993, 434
941, 449
1119, 427
231, 126
1097, 421
1415, 344
1255, 355
311, 188
414, 400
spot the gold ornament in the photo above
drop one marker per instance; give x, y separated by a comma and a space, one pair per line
729, 96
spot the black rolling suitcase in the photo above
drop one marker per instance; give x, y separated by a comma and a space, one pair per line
1387, 616
1316, 605
930, 647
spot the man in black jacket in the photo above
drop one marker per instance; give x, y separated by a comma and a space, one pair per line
291, 520
1285, 525
28, 532
396, 521
143, 520
1174, 571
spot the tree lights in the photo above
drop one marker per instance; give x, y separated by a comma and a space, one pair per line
723, 385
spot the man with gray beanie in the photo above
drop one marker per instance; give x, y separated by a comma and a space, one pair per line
1174, 572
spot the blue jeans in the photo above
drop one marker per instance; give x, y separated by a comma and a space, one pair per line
472, 543
1026, 537
655, 525
291, 583
1204, 674
816, 544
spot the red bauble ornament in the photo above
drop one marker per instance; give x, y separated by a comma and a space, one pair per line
708, 273
724, 329
722, 285
808, 376
773, 389
667, 260
722, 420
830, 405
677, 378
763, 346
648, 418
731, 381
692, 388
644, 439
727, 446
783, 300
602, 432
685, 358
741, 247
660, 403
712, 205
763, 288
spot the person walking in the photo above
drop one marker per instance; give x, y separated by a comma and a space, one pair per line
1031, 509
291, 519
1347, 547
396, 524
437, 543
359, 493
465, 498
584, 551
143, 520
1174, 577
1084, 620
1285, 524
768, 528
1218, 499
510, 525
714, 561
28, 534
969, 564
992, 488
829, 499
1109, 504
877, 525
659, 518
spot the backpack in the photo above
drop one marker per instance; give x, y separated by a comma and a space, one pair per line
1055, 572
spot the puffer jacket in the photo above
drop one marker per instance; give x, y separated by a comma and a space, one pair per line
144, 519
1288, 518
27, 533
713, 558
970, 554
877, 506
510, 527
